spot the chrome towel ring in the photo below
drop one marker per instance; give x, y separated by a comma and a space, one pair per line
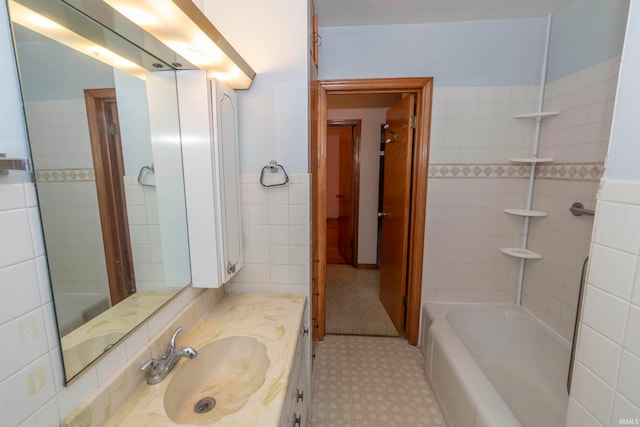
274, 167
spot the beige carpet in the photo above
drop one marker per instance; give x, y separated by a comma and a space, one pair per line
353, 302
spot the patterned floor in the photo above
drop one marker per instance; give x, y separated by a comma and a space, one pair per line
353, 302
371, 382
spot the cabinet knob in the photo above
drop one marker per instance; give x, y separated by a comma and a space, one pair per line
297, 420
299, 395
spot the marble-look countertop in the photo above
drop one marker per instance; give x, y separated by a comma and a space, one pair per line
273, 320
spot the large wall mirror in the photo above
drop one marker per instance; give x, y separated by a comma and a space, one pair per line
110, 185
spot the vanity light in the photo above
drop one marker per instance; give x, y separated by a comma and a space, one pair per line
48, 28
180, 25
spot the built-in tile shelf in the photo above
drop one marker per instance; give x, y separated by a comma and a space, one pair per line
525, 212
521, 253
531, 160
537, 116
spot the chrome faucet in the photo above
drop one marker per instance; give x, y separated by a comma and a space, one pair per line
158, 369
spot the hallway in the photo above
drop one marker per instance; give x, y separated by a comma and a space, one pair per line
353, 302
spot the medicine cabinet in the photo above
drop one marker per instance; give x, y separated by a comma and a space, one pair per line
209, 123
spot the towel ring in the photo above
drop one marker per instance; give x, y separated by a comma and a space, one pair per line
273, 167
143, 172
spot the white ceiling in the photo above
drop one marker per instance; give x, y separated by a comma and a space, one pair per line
382, 12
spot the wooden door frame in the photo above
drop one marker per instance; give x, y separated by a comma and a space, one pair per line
422, 88
111, 196
356, 126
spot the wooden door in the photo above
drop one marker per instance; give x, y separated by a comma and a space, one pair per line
345, 193
108, 164
396, 207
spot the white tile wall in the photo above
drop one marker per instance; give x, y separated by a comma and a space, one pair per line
73, 236
580, 133
551, 284
465, 227
475, 125
276, 233
59, 134
32, 389
606, 387
142, 211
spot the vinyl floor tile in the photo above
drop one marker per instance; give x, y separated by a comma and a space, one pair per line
371, 382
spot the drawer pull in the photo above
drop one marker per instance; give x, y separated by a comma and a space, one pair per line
299, 395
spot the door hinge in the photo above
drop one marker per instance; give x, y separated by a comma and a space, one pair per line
412, 122
113, 129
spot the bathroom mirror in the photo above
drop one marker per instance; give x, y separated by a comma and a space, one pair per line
110, 187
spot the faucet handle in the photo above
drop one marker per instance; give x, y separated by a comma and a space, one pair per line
172, 342
152, 365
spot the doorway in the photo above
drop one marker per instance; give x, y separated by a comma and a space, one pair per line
343, 190
418, 93
108, 164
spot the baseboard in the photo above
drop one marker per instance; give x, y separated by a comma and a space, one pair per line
367, 266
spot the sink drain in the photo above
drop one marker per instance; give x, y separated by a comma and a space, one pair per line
204, 405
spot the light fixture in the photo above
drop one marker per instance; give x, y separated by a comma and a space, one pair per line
180, 25
34, 21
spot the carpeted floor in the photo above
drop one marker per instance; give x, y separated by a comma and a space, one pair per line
353, 303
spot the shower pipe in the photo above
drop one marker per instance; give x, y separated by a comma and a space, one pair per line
536, 146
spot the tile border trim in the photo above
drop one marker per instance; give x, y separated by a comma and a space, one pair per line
581, 172
65, 175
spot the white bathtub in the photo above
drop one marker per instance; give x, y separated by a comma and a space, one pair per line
494, 366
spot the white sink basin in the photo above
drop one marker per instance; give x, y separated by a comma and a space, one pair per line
219, 381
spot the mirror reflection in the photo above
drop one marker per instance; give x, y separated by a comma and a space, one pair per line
116, 242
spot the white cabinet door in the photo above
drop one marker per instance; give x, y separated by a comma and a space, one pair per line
209, 123
225, 124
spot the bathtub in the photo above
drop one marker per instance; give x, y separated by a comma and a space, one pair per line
494, 366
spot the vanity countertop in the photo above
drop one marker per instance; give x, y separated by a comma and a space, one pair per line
273, 320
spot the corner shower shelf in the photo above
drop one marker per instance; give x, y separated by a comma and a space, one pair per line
521, 253
531, 160
525, 212
537, 116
